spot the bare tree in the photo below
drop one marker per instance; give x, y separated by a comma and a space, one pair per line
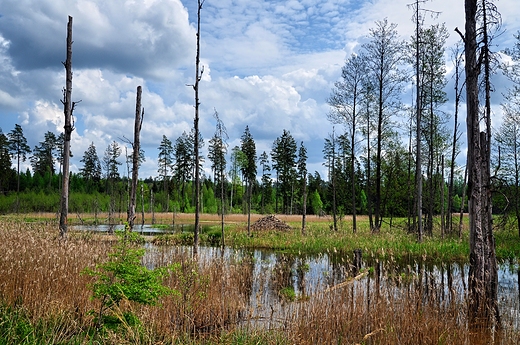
136, 148
483, 275
68, 108
457, 61
198, 76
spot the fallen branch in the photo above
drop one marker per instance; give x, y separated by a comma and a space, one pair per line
347, 282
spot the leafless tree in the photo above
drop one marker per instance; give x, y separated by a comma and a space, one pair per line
68, 108
483, 275
136, 148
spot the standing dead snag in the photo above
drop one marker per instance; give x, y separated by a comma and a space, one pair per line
135, 157
483, 276
198, 77
68, 108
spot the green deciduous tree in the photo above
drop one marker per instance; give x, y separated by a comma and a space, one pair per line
345, 102
383, 59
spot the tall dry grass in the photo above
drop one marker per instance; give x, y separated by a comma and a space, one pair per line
42, 276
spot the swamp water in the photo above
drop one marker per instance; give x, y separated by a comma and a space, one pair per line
278, 283
275, 275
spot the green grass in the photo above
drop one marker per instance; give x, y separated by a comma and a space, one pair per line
389, 244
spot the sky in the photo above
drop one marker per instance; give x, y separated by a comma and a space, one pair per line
269, 65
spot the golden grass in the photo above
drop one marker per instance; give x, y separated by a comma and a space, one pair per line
186, 218
42, 275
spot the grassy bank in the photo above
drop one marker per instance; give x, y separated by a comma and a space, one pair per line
45, 299
391, 243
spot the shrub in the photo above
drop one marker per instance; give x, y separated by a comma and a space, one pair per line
123, 277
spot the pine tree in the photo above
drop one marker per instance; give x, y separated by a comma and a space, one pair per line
44, 154
165, 160
283, 155
248, 147
18, 148
266, 179
110, 161
91, 170
5, 163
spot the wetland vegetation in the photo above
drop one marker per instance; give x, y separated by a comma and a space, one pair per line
271, 288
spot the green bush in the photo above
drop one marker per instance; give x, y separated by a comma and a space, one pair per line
123, 277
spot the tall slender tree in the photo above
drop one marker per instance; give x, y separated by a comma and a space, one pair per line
91, 170
283, 155
483, 272
266, 179
165, 161
345, 101
217, 154
457, 56
248, 147
198, 77
68, 108
384, 57
6, 171
136, 150
329, 152
19, 149
302, 172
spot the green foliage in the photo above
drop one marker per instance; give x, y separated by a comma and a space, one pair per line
123, 277
315, 202
288, 293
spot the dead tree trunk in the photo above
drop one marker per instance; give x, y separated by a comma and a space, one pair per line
68, 107
135, 158
198, 76
483, 276
418, 134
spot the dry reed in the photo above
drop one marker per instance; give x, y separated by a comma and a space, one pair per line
42, 275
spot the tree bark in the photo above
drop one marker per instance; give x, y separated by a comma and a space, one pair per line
135, 158
418, 134
483, 276
198, 76
68, 106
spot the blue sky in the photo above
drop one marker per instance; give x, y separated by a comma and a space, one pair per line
269, 65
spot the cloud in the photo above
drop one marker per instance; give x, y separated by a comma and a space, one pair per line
268, 65
145, 38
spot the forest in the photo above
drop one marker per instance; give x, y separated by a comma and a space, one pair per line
372, 154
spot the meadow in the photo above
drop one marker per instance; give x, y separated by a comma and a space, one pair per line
46, 297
